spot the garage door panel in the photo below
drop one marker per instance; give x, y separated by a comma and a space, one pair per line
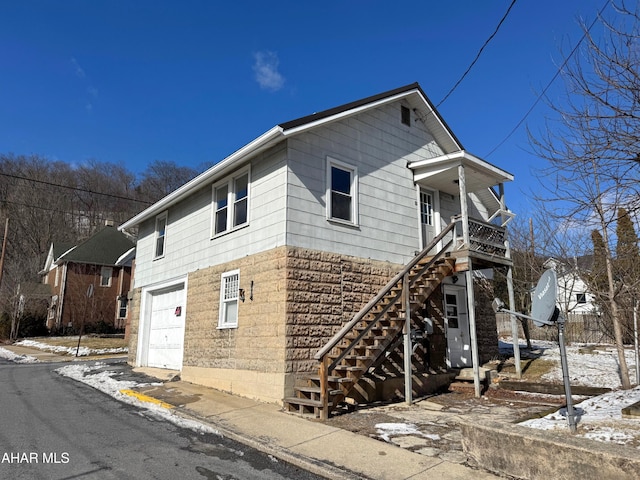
166, 330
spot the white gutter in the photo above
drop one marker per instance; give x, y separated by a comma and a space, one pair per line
262, 142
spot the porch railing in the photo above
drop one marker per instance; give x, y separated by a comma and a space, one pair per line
484, 237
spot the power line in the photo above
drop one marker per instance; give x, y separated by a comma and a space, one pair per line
544, 91
77, 189
479, 53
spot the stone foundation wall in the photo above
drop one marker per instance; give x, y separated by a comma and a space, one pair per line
325, 290
246, 359
133, 322
295, 301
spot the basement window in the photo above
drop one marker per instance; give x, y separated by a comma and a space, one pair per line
229, 294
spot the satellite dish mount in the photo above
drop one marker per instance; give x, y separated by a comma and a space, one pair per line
544, 312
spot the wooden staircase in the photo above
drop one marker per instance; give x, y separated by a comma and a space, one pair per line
360, 345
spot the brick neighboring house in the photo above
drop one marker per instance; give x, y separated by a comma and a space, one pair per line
89, 283
286, 271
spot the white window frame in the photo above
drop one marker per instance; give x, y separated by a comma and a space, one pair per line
157, 236
232, 203
120, 301
229, 298
103, 272
353, 191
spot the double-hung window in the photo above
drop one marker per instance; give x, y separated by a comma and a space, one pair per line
342, 192
122, 306
229, 293
161, 231
231, 203
105, 276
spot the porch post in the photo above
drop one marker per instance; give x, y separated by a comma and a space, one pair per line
471, 303
512, 298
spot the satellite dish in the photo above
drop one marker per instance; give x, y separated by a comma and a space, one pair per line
543, 308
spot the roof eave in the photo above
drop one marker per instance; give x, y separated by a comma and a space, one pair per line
463, 157
261, 143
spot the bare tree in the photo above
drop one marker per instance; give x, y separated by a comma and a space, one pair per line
161, 178
592, 145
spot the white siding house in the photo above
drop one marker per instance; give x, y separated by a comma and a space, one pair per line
266, 255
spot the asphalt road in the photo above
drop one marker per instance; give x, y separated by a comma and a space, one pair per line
52, 427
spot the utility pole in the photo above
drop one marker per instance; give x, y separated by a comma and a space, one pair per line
4, 247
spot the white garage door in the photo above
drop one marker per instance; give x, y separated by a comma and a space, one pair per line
166, 329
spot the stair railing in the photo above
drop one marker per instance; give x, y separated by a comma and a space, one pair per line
321, 355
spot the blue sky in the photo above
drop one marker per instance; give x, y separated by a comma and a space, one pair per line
192, 81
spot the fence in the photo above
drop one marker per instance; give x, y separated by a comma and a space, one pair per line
579, 328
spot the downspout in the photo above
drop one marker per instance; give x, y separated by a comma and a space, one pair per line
471, 308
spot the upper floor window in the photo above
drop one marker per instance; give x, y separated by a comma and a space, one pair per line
405, 115
231, 203
342, 194
161, 231
581, 298
105, 276
229, 294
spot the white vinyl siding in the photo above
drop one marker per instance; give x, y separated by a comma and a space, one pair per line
229, 295
287, 200
379, 146
190, 245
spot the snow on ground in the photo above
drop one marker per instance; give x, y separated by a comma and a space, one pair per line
14, 357
598, 418
589, 365
387, 430
82, 352
107, 382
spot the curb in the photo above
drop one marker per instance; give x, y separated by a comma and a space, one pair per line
312, 465
146, 398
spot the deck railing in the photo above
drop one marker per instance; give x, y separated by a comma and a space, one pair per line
484, 237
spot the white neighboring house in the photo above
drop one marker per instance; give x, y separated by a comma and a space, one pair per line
573, 292
244, 274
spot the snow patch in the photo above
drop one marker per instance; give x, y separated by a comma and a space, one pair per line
105, 382
387, 430
82, 351
14, 357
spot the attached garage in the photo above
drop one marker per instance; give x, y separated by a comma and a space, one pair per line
161, 344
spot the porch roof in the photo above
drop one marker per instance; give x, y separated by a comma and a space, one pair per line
441, 172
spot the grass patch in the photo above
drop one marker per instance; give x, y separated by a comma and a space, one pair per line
532, 368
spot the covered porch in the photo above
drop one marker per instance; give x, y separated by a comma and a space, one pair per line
478, 237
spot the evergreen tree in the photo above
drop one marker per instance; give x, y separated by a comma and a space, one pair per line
627, 268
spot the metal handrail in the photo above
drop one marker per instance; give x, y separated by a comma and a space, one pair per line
365, 310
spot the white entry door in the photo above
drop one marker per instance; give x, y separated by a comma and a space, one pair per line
166, 329
457, 327
427, 216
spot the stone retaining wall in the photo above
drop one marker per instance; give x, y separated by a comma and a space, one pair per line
532, 454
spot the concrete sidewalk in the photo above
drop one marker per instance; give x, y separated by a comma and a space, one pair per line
312, 445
